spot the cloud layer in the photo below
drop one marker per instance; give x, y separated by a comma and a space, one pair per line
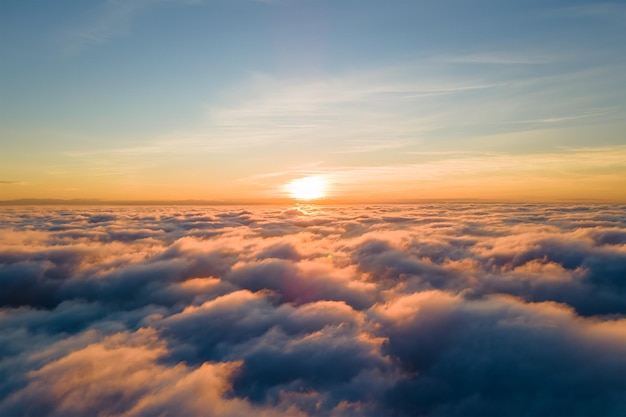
376, 310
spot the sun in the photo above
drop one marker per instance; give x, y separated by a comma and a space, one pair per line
307, 188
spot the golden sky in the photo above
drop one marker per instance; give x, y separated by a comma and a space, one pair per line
413, 102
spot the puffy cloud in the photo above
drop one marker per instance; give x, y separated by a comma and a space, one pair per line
120, 375
502, 356
304, 282
433, 309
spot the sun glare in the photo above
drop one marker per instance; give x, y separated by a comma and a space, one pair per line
307, 188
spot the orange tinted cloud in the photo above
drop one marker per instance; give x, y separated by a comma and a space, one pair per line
368, 310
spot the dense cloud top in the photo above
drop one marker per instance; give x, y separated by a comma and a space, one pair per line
438, 309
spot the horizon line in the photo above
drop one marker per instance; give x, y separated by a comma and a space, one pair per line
283, 201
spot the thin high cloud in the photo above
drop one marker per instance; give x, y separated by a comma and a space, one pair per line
612, 12
111, 19
379, 310
412, 100
115, 18
389, 111
456, 169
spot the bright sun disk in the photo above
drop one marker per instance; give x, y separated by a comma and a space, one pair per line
307, 188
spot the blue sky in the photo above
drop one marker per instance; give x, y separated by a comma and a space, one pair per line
201, 99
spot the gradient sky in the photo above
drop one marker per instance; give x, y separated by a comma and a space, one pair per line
388, 100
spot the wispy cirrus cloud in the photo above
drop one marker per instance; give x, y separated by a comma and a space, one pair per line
380, 120
115, 18
404, 104
368, 106
438, 100
372, 108
609, 11
481, 173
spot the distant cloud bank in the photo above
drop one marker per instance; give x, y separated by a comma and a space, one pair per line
432, 309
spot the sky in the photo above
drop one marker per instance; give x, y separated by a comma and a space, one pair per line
232, 100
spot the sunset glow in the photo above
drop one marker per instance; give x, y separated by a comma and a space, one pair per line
312, 208
307, 188
391, 103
